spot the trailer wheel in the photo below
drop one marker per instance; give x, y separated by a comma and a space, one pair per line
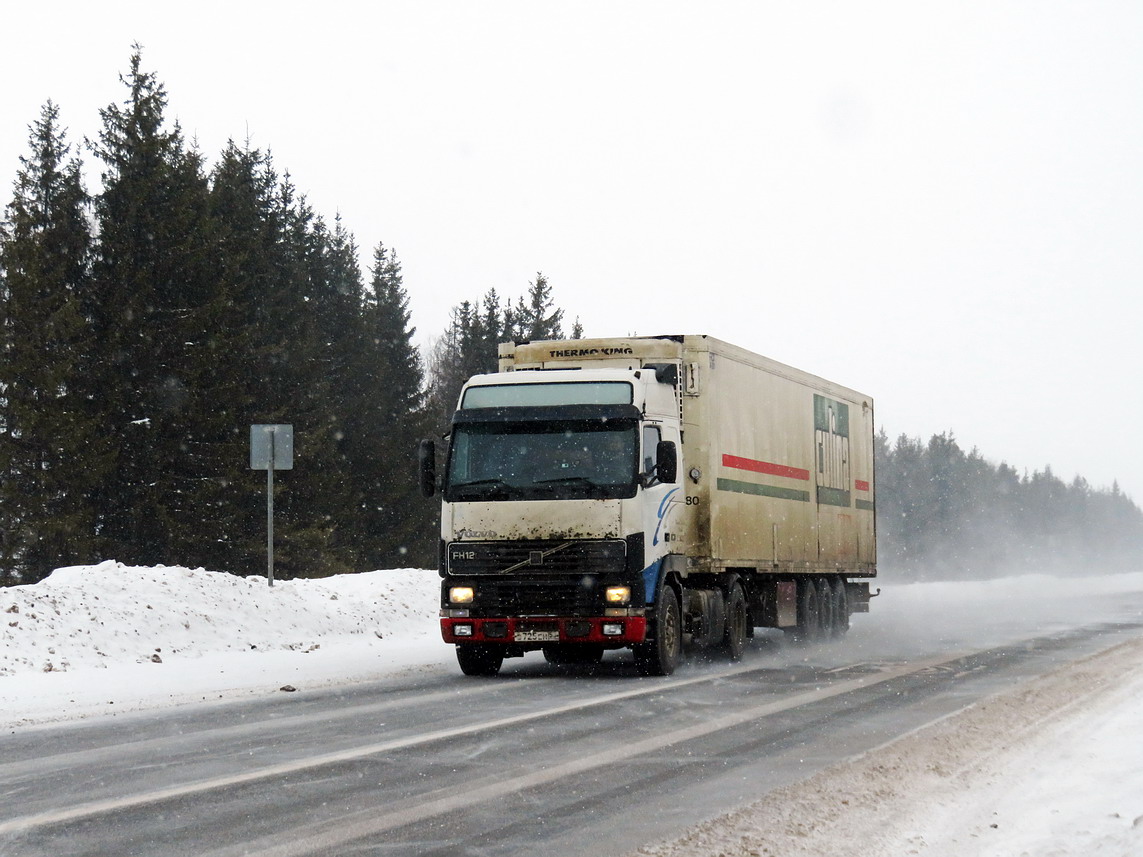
841, 608
808, 628
479, 660
737, 620
662, 654
827, 607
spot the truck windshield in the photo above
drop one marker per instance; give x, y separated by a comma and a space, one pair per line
542, 461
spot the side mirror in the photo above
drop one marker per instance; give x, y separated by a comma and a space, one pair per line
666, 461
667, 373
427, 467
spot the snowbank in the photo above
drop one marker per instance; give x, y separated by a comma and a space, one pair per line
91, 637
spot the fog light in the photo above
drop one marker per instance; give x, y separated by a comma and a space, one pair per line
613, 629
617, 594
461, 595
462, 630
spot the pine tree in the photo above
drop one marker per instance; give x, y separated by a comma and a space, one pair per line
154, 274
52, 452
538, 317
245, 212
470, 343
305, 361
395, 521
449, 362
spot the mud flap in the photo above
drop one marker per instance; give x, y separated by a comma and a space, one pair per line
859, 595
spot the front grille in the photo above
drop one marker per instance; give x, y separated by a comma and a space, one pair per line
539, 598
536, 557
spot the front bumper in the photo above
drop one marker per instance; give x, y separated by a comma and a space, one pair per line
537, 633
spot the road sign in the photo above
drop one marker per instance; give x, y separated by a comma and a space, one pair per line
272, 443
271, 448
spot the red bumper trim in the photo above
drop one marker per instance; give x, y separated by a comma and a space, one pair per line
634, 630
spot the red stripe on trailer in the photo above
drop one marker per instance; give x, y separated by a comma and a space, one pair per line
769, 467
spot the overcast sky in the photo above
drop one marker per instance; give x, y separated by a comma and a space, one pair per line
939, 204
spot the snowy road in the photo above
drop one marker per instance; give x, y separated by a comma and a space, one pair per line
587, 765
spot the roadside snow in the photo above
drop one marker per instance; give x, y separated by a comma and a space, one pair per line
1053, 768
111, 638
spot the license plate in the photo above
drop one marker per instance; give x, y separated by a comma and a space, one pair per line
537, 635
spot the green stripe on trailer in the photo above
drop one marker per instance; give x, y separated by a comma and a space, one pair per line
763, 490
833, 497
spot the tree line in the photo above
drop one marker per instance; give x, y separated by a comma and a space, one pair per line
943, 513
144, 327
470, 343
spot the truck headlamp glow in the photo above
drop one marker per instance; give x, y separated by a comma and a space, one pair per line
617, 594
461, 595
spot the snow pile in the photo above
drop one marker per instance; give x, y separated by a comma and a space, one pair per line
167, 635
92, 615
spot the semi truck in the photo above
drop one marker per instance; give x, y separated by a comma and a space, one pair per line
661, 494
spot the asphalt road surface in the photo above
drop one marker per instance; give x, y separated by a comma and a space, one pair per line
576, 763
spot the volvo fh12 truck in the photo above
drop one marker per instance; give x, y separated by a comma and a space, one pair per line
659, 494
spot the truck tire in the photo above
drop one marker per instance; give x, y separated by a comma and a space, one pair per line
737, 622
827, 608
662, 654
841, 609
808, 629
479, 660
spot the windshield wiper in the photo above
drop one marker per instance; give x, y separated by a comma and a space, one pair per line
496, 484
567, 480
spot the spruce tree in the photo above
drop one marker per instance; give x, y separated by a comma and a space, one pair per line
394, 520
335, 303
246, 217
52, 451
301, 389
470, 344
538, 317
155, 278
448, 362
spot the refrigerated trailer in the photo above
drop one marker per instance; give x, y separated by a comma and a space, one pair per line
652, 493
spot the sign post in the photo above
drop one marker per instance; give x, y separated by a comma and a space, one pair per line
271, 448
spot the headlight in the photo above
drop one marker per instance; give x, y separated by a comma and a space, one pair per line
617, 594
461, 595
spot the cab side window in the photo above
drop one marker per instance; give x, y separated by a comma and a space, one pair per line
651, 438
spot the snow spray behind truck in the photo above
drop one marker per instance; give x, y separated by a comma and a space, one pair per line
651, 493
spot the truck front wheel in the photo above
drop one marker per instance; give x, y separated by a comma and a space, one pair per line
479, 660
662, 654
